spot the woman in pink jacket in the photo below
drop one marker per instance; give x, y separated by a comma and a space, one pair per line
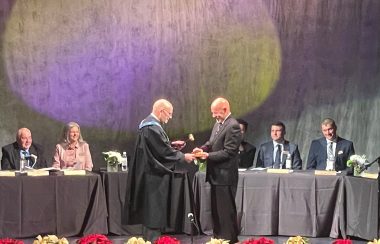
72, 151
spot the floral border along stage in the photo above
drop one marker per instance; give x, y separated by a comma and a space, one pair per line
10, 241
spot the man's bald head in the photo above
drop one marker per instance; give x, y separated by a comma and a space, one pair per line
220, 109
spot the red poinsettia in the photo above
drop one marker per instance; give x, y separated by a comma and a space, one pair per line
167, 240
342, 241
10, 241
261, 240
94, 239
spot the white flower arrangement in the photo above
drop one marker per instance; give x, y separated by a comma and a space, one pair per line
358, 162
112, 157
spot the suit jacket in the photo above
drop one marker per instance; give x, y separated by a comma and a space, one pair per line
318, 154
265, 155
247, 156
11, 156
223, 148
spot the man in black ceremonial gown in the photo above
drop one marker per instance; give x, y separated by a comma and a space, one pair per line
151, 172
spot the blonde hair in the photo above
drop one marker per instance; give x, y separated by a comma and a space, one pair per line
65, 137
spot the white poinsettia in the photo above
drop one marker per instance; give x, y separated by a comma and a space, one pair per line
135, 240
218, 241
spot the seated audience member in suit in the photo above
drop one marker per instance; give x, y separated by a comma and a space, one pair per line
23, 145
72, 151
273, 154
247, 151
329, 148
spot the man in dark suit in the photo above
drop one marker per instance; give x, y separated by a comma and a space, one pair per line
331, 151
273, 154
25, 147
221, 152
247, 151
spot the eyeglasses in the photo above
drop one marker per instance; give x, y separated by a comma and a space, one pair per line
168, 113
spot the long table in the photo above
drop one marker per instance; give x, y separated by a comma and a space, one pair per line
60, 205
299, 203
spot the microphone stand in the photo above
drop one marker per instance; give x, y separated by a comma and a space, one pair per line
192, 220
366, 166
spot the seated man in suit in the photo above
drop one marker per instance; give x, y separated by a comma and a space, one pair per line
247, 151
330, 152
22, 146
273, 154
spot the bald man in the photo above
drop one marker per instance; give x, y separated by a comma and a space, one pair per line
149, 177
22, 146
221, 152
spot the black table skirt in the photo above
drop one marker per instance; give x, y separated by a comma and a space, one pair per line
299, 203
59, 205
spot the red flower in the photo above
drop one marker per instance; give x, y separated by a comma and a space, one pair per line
10, 241
261, 240
167, 240
94, 239
342, 241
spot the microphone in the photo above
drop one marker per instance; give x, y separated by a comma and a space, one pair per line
190, 216
34, 157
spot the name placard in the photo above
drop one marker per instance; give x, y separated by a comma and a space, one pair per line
7, 173
324, 172
74, 172
37, 173
279, 171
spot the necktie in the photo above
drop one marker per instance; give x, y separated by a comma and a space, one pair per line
26, 156
218, 129
330, 152
277, 161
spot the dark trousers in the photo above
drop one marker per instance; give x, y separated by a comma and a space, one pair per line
223, 211
150, 234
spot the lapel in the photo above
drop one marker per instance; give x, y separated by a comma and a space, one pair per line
214, 135
338, 145
16, 155
286, 148
324, 148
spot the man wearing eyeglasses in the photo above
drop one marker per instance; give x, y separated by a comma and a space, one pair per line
149, 178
